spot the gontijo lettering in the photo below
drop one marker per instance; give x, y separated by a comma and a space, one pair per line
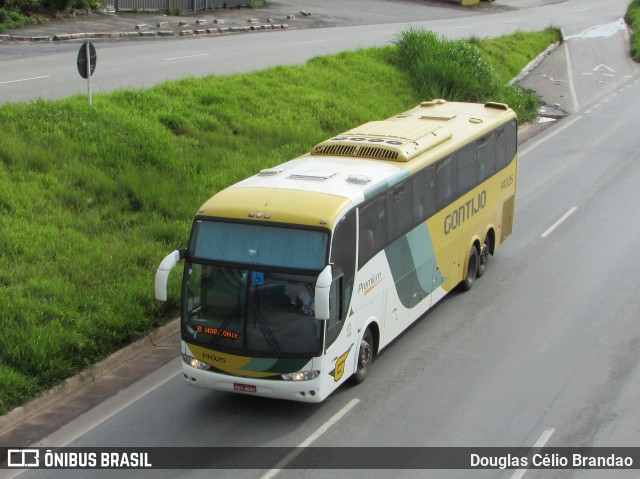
466, 211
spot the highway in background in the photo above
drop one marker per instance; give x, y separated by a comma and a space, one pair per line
545, 349
49, 71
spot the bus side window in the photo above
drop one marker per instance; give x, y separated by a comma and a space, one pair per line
373, 229
501, 149
467, 171
424, 194
343, 256
511, 133
486, 157
336, 318
399, 210
446, 182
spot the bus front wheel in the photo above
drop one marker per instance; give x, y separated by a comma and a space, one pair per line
365, 357
472, 270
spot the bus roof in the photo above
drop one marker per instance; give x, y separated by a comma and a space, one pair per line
317, 188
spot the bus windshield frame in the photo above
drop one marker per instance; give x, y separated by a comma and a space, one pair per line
253, 295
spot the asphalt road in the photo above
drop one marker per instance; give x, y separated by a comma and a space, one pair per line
544, 349
49, 71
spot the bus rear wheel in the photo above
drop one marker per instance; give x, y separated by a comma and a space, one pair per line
365, 357
472, 270
483, 259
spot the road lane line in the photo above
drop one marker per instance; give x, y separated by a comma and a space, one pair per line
559, 222
542, 440
312, 438
24, 79
572, 88
188, 56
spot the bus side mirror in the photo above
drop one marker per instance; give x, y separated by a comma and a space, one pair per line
162, 275
323, 286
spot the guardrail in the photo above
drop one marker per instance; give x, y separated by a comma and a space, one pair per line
184, 5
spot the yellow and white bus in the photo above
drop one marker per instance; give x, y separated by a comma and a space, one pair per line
296, 277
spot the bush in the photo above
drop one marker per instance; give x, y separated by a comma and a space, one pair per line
632, 18
24, 6
440, 68
457, 71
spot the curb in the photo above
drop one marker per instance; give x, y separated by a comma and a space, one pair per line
60, 37
89, 375
535, 62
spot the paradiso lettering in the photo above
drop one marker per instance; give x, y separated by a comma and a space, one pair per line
466, 211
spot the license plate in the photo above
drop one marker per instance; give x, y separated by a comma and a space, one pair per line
247, 388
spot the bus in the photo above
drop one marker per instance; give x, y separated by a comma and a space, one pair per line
295, 278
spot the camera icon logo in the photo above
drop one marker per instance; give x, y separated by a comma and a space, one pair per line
23, 458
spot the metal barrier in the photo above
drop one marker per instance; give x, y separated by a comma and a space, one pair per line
184, 5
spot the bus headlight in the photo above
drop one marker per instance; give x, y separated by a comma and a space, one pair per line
195, 363
301, 376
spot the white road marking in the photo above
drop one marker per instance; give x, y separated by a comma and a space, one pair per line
309, 42
188, 56
572, 89
308, 441
601, 66
24, 79
600, 31
542, 440
559, 222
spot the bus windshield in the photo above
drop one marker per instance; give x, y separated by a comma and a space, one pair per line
249, 288
250, 312
252, 244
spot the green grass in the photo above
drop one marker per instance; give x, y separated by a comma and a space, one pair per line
508, 54
14, 19
92, 198
474, 70
632, 18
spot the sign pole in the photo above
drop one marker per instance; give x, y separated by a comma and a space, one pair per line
88, 56
87, 59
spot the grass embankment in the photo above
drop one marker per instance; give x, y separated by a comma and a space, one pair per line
633, 20
91, 199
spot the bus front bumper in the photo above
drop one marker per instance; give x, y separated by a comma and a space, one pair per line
304, 391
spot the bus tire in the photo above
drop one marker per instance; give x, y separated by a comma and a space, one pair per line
365, 357
483, 258
472, 270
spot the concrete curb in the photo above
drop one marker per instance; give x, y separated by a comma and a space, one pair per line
90, 375
535, 62
136, 34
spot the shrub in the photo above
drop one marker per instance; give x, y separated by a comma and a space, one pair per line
632, 18
457, 71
